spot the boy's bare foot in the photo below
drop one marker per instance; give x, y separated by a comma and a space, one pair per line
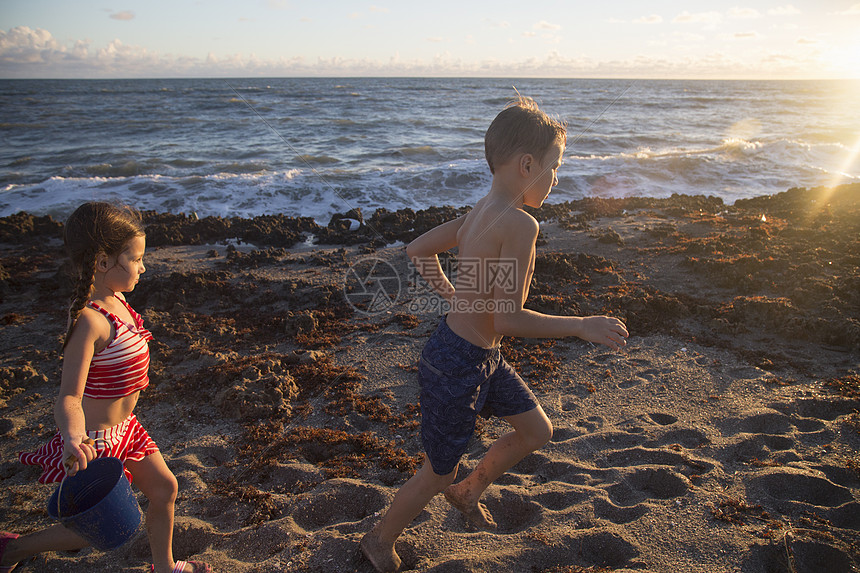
475, 512
383, 559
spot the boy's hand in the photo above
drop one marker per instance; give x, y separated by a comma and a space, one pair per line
604, 330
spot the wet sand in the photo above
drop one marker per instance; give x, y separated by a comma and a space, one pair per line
724, 438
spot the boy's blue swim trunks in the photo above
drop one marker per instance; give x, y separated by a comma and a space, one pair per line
458, 381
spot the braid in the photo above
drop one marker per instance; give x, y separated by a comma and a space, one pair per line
83, 291
92, 229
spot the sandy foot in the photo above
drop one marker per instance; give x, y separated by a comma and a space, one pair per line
477, 513
382, 559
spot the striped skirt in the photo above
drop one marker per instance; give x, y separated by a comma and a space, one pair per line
128, 440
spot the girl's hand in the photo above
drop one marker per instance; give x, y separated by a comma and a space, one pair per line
76, 454
605, 330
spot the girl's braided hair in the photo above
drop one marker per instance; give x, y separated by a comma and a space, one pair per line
92, 229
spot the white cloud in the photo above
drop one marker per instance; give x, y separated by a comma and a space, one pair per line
745, 35
379, 9
738, 13
29, 53
503, 24
854, 10
25, 45
710, 18
544, 25
687, 37
652, 19
124, 15
788, 10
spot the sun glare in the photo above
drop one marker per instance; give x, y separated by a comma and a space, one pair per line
851, 157
845, 60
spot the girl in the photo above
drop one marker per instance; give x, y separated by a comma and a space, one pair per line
105, 366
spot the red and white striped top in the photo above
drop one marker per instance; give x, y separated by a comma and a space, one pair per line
122, 367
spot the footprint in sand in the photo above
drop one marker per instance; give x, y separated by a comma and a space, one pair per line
511, 511
757, 422
564, 434
338, 501
592, 423
792, 485
662, 419
807, 555
605, 358
759, 446
642, 377
631, 382
590, 550
846, 516
640, 456
808, 425
843, 476
591, 445
640, 484
605, 509
563, 472
690, 438
821, 409
559, 497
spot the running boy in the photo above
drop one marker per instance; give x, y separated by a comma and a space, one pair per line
461, 370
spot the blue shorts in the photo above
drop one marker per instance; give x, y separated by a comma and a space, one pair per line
458, 381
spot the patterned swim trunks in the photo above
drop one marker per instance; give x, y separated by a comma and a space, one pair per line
458, 381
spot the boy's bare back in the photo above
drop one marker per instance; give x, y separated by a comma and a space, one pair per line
488, 282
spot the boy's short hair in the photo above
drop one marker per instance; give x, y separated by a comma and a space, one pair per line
521, 128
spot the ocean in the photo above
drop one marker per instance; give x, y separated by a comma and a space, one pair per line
314, 146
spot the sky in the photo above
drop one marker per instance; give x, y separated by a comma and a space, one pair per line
718, 39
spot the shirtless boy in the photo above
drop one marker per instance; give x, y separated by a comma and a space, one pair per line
461, 370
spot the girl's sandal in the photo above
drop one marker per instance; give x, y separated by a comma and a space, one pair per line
196, 567
5, 538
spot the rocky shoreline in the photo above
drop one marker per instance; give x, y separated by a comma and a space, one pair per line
724, 439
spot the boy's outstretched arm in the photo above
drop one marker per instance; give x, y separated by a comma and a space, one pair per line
424, 252
512, 319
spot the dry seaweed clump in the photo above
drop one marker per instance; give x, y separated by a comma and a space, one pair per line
15, 379
182, 229
576, 569
338, 453
848, 385
536, 361
738, 511
24, 227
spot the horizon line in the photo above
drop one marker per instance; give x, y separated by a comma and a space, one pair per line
419, 76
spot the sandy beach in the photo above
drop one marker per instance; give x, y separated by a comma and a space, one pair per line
724, 438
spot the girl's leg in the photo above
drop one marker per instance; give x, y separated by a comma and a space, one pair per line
159, 485
54, 538
531, 431
378, 544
